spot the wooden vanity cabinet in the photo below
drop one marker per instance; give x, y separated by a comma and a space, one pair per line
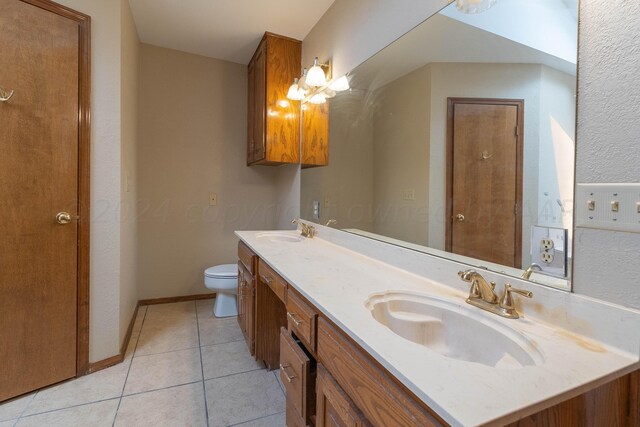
273, 121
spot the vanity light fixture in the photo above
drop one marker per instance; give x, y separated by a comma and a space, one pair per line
315, 86
474, 6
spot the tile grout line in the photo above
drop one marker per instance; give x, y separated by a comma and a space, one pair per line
130, 364
25, 408
67, 407
189, 348
204, 388
255, 419
162, 388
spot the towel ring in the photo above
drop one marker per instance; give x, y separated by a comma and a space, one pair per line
4, 96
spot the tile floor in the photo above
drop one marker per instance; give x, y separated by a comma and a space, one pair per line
183, 367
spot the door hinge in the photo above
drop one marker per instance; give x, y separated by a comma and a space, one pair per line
515, 209
516, 131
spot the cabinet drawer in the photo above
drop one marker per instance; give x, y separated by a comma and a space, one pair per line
302, 319
334, 408
273, 280
297, 376
382, 401
247, 257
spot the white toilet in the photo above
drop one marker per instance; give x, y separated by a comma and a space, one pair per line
223, 280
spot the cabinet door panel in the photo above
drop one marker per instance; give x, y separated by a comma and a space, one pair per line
334, 408
259, 105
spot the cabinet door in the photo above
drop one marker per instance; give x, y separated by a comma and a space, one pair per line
334, 408
259, 104
251, 113
250, 311
315, 135
241, 315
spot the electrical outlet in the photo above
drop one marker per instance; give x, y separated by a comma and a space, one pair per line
546, 257
316, 209
546, 244
213, 199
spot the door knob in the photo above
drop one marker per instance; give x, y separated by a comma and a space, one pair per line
63, 218
460, 217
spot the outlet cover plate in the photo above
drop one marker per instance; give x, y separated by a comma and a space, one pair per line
558, 266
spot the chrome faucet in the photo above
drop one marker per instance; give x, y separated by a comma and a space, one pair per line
529, 271
482, 295
305, 229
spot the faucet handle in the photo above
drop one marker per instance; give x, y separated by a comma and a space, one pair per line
466, 275
507, 298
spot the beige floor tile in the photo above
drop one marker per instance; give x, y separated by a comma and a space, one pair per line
102, 385
13, 409
163, 370
204, 307
167, 336
156, 311
243, 397
219, 331
9, 423
176, 406
94, 414
226, 359
277, 420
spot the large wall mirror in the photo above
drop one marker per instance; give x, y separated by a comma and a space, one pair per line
458, 139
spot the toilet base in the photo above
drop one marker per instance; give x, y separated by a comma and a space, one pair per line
225, 305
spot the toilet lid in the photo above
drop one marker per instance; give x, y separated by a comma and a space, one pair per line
225, 271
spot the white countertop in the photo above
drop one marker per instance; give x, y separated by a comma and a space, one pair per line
338, 281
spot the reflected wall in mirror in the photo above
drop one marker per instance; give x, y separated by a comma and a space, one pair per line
458, 139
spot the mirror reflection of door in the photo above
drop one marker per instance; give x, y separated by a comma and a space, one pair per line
484, 179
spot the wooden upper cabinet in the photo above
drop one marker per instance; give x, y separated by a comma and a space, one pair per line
315, 135
273, 126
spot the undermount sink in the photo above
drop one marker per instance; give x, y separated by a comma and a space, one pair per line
280, 236
453, 331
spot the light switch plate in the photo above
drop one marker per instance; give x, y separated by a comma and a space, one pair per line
616, 207
316, 209
549, 250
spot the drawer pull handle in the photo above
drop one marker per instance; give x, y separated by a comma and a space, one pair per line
283, 369
292, 316
265, 279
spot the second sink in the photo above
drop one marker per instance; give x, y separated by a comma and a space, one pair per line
453, 331
280, 236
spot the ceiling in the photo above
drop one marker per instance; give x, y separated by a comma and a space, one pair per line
223, 29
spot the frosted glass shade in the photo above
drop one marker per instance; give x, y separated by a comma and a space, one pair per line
474, 6
315, 76
295, 93
340, 85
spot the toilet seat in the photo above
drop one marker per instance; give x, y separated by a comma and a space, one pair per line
224, 271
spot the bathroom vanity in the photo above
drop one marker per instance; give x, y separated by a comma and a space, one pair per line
336, 315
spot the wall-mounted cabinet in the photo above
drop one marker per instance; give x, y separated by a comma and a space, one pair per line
273, 128
315, 135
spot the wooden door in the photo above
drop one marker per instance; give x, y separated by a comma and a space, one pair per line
44, 60
484, 185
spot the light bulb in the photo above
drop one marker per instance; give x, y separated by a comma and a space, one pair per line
340, 85
295, 93
315, 76
318, 98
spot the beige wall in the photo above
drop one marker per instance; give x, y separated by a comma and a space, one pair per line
401, 123
105, 175
128, 189
192, 142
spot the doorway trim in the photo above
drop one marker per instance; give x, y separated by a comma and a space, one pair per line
84, 164
519, 104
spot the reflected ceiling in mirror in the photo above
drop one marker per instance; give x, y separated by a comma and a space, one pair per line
458, 139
